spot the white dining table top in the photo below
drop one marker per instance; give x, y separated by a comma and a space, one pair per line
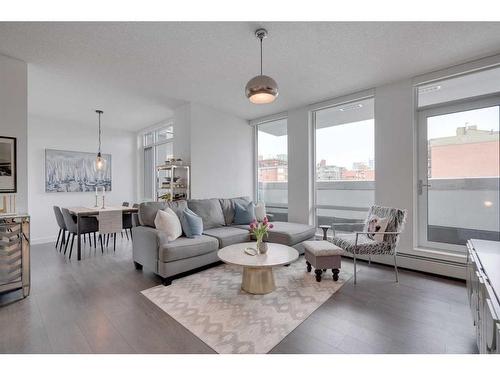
82, 210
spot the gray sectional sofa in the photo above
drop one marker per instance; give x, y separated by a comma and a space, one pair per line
169, 259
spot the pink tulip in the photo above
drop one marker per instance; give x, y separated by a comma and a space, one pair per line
265, 220
271, 226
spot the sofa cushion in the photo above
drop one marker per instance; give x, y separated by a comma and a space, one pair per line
148, 210
166, 221
209, 210
244, 214
289, 233
228, 235
184, 247
227, 205
192, 224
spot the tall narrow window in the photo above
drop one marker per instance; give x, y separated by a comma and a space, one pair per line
158, 147
272, 167
345, 164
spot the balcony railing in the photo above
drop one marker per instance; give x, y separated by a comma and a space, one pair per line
458, 209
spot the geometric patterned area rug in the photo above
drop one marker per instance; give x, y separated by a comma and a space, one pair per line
213, 307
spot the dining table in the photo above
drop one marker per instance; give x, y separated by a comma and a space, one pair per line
81, 211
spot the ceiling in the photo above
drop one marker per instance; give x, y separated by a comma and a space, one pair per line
139, 72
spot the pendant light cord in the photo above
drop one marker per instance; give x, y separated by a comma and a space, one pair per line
260, 56
99, 132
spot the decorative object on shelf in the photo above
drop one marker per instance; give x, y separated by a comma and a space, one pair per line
100, 162
14, 253
73, 171
172, 181
8, 165
251, 251
261, 89
7, 204
260, 230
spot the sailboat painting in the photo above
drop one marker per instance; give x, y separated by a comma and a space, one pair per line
74, 171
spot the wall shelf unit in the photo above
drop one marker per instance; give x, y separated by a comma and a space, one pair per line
173, 182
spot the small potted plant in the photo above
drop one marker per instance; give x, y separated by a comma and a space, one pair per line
259, 230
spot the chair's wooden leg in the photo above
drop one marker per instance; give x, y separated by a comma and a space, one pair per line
71, 247
100, 240
67, 242
63, 240
114, 241
58, 237
309, 267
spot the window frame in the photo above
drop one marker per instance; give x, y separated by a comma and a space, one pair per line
156, 143
256, 124
351, 99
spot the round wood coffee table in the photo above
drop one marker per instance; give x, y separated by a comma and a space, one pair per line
258, 269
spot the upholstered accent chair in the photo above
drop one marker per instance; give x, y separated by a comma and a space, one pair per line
362, 243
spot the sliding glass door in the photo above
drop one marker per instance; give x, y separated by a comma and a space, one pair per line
458, 173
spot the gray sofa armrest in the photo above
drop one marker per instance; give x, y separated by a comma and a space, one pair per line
145, 244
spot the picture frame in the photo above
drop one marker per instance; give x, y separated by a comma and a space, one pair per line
8, 164
74, 171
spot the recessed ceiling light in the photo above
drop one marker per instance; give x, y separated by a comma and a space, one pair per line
351, 107
428, 89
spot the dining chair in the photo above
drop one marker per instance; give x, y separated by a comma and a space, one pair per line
125, 204
62, 228
87, 225
110, 223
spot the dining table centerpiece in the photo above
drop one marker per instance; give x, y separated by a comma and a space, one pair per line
260, 230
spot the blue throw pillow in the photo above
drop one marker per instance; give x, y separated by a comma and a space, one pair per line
192, 224
244, 213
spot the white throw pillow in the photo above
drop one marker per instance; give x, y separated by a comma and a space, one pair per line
377, 224
168, 222
260, 211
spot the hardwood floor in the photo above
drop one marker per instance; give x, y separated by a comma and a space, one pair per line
94, 306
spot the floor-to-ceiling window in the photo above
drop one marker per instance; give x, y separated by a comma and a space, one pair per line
458, 155
157, 148
344, 163
272, 167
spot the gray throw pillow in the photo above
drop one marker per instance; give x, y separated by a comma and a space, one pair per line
209, 210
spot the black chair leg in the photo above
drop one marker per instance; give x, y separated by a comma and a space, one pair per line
126, 233
63, 240
100, 240
71, 248
107, 240
58, 237
130, 229
67, 242
114, 241
90, 241
84, 239
95, 242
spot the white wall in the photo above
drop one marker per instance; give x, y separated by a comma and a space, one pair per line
50, 133
394, 155
13, 119
299, 172
222, 154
